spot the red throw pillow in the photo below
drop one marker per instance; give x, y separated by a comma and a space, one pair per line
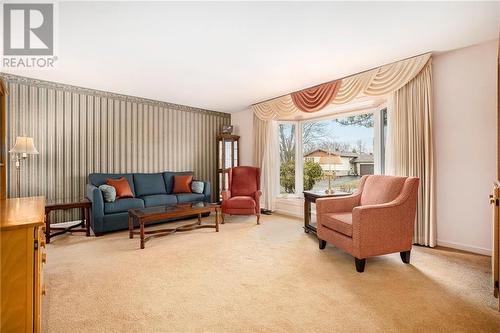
121, 186
182, 184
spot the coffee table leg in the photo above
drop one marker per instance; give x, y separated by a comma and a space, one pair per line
142, 233
199, 218
216, 219
130, 227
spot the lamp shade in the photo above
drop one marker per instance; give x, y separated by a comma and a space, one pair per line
330, 159
24, 145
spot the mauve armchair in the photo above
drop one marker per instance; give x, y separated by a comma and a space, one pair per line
377, 219
243, 194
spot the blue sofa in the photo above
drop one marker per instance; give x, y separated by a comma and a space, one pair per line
149, 189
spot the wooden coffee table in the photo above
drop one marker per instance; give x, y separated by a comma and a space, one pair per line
142, 216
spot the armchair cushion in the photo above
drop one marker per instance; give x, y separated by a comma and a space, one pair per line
241, 202
244, 181
340, 222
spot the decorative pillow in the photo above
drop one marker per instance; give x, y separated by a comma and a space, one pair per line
108, 192
121, 186
197, 186
182, 184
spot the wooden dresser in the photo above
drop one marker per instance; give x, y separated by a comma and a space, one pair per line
22, 247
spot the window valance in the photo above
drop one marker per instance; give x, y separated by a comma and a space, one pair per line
375, 82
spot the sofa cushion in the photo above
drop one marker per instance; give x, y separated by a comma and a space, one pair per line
182, 184
197, 186
122, 205
340, 222
190, 197
149, 183
241, 202
97, 179
168, 176
122, 187
108, 193
379, 189
159, 200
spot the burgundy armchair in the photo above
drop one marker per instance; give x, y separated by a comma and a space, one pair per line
243, 194
377, 219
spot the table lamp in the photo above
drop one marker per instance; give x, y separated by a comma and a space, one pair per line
330, 160
24, 146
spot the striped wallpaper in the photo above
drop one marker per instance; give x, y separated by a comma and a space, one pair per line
78, 131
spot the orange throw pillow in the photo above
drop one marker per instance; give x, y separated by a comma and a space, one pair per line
121, 186
182, 184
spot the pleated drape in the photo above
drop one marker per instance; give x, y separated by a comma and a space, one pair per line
315, 98
376, 82
411, 148
265, 143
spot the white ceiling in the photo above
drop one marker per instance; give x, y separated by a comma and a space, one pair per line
226, 56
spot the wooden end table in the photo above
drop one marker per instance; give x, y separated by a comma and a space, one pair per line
142, 216
309, 198
64, 204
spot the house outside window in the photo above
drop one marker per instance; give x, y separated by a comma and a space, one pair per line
302, 144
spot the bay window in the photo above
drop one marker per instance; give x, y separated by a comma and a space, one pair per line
356, 140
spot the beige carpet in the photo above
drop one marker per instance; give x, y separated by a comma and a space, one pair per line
267, 278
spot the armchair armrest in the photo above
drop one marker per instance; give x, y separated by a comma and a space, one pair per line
258, 194
337, 204
226, 195
388, 227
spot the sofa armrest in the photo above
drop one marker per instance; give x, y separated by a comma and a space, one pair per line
388, 227
97, 212
207, 192
337, 204
95, 196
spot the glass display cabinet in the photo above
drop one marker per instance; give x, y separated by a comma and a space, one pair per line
228, 156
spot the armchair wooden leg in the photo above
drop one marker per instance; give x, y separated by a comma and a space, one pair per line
223, 221
322, 244
360, 265
405, 256
258, 219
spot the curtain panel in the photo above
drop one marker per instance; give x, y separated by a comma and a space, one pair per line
376, 82
265, 143
411, 148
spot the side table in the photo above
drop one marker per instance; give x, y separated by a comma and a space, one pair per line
309, 198
84, 204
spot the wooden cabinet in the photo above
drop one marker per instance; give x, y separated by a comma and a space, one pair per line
22, 248
228, 156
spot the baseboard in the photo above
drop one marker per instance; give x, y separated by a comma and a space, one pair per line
464, 247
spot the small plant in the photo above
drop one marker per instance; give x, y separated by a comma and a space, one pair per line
312, 173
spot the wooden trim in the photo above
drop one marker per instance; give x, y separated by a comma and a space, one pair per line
3, 149
496, 195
